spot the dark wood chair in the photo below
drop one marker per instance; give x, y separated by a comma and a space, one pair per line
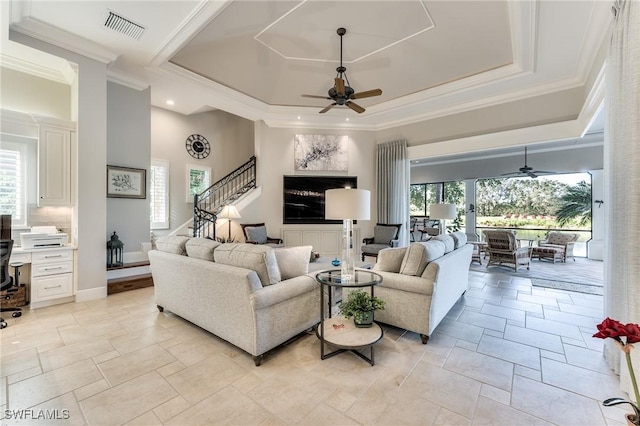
256, 233
385, 235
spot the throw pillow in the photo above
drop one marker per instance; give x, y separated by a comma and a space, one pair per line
449, 243
201, 248
418, 255
390, 259
293, 261
384, 234
257, 234
250, 256
460, 238
172, 244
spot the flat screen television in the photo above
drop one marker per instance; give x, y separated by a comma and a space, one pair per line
304, 197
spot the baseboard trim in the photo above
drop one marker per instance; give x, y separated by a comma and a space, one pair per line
91, 294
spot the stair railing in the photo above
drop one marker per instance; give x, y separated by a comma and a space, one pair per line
208, 204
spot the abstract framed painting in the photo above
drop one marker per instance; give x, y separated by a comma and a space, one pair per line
321, 152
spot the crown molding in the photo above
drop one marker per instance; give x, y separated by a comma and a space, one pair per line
594, 102
126, 79
32, 68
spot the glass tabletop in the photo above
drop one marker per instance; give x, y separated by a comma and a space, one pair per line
361, 278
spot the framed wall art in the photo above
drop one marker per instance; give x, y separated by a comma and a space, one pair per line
321, 152
125, 182
198, 179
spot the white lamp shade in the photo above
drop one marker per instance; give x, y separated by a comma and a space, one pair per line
442, 211
229, 212
346, 203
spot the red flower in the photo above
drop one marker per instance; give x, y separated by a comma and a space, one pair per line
610, 328
632, 333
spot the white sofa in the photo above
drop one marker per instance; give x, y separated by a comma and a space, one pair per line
422, 282
252, 296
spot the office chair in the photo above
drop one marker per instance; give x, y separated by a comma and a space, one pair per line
6, 281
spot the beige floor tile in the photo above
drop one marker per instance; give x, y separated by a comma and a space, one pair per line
18, 361
340, 400
171, 368
127, 401
171, 408
91, 389
80, 333
495, 394
24, 374
583, 382
63, 410
322, 414
35, 390
517, 353
139, 339
449, 418
69, 354
539, 339
228, 406
490, 412
196, 349
406, 410
147, 419
201, 380
134, 364
483, 368
11, 344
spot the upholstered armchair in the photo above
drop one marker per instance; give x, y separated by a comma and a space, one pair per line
561, 240
385, 235
503, 249
256, 233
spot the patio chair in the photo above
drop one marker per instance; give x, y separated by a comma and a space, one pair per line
564, 241
503, 249
385, 235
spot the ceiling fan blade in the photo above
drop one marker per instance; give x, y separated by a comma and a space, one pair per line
543, 172
339, 86
327, 108
366, 94
511, 174
315, 96
357, 108
532, 175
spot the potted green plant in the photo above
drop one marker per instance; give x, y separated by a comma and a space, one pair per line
360, 305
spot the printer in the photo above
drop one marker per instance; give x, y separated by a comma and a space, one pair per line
43, 237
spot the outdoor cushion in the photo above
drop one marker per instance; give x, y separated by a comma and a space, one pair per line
258, 258
460, 238
384, 234
257, 234
449, 242
172, 244
419, 254
293, 261
201, 248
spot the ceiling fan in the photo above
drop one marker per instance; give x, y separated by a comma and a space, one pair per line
341, 93
527, 170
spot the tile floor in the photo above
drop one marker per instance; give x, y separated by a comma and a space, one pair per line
506, 354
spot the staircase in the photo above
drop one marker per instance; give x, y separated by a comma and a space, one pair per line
208, 204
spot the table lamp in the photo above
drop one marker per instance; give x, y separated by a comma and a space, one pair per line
442, 212
229, 212
347, 204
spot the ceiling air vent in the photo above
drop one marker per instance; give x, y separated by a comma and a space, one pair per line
124, 26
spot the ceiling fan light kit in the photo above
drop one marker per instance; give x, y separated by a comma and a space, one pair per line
342, 94
528, 170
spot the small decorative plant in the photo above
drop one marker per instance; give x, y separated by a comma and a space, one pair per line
360, 305
631, 334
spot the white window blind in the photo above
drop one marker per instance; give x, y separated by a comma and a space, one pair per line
159, 190
13, 182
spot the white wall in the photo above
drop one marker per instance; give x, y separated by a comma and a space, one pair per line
232, 144
129, 145
275, 159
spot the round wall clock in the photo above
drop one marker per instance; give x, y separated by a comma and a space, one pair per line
198, 146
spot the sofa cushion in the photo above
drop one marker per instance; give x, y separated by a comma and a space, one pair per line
201, 248
384, 234
460, 238
172, 244
449, 242
419, 254
258, 258
293, 261
390, 259
257, 234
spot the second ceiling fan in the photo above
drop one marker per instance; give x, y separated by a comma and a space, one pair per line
342, 93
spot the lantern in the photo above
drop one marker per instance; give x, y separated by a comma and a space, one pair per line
114, 251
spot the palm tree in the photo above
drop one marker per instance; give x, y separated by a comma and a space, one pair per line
575, 204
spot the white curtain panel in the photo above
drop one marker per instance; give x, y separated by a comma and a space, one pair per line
392, 171
622, 171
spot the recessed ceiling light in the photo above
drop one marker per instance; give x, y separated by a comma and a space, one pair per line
346, 119
299, 117
170, 102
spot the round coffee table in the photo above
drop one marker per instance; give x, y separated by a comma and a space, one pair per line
342, 332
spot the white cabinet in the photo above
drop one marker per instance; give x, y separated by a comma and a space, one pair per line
54, 166
51, 276
324, 239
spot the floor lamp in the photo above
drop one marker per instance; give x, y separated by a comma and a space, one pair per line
347, 205
229, 212
442, 212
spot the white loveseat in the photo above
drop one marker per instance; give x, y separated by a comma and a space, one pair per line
252, 296
422, 282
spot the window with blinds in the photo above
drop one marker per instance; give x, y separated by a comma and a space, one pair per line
159, 194
13, 182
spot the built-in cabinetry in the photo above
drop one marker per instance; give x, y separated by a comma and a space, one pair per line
54, 166
327, 241
51, 277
